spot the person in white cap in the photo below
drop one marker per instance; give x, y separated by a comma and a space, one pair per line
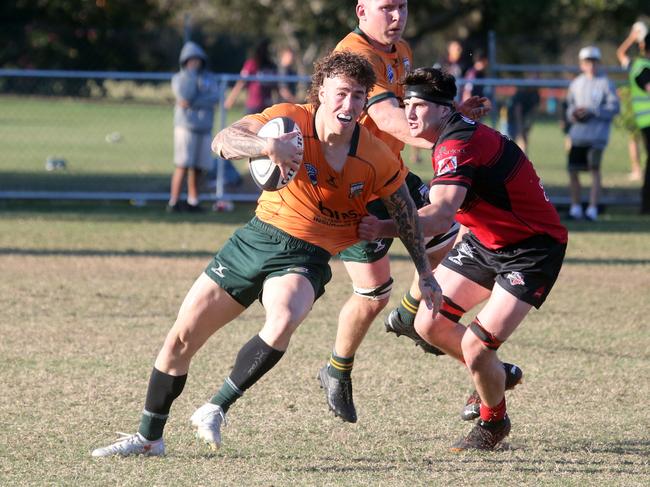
592, 103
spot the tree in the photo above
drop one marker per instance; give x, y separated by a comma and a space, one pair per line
77, 34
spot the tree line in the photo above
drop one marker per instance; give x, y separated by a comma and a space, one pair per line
147, 35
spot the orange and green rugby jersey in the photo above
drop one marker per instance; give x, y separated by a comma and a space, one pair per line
390, 69
320, 205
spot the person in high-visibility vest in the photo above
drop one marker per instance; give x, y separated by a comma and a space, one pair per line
639, 75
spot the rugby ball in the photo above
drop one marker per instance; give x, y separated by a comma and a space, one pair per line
264, 171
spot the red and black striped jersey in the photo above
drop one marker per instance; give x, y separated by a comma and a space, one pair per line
505, 201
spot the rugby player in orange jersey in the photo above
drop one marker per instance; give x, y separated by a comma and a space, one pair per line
281, 256
379, 39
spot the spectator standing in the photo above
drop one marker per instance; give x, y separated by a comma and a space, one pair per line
639, 75
626, 121
287, 89
196, 93
522, 108
453, 61
592, 104
477, 71
259, 95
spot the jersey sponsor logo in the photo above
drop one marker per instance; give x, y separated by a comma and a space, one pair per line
516, 279
446, 165
219, 270
312, 172
390, 74
356, 190
463, 250
337, 215
443, 149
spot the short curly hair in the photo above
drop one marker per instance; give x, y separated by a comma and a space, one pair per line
341, 63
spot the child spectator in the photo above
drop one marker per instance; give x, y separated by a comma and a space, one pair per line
196, 93
592, 103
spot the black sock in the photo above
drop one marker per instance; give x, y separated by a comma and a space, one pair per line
340, 367
254, 360
407, 309
163, 389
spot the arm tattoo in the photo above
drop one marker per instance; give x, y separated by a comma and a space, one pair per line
402, 210
238, 141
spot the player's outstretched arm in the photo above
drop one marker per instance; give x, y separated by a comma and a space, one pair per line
390, 118
404, 213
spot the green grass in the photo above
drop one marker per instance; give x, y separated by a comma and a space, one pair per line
89, 291
31, 129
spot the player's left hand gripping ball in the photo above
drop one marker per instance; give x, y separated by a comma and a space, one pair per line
266, 173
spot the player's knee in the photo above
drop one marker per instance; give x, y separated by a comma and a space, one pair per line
478, 345
178, 345
282, 322
474, 354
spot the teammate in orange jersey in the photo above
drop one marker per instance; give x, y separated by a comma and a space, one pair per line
379, 39
281, 256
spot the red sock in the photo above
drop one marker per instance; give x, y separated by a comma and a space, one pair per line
497, 413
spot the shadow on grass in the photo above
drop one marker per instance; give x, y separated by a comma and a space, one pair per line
616, 447
121, 212
475, 461
71, 181
165, 254
620, 221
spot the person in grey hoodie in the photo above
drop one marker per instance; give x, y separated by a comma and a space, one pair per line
592, 103
196, 92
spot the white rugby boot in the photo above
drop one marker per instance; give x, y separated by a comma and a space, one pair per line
132, 445
208, 420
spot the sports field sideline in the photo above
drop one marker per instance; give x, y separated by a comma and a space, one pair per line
89, 291
141, 159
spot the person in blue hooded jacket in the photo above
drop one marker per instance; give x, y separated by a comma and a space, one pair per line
196, 92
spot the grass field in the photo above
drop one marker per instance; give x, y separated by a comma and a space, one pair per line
89, 291
31, 129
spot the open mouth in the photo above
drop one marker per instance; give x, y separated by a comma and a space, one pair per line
344, 118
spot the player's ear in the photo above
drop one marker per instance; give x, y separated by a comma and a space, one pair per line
321, 94
361, 9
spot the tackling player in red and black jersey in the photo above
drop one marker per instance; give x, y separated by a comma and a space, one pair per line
510, 257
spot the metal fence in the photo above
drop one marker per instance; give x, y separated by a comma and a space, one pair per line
132, 163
